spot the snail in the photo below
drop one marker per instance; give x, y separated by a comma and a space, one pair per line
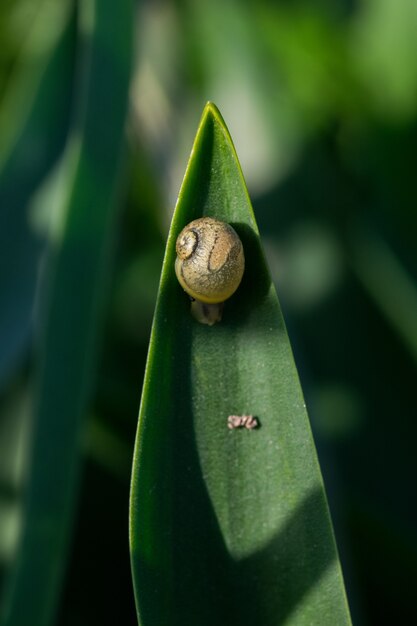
209, 266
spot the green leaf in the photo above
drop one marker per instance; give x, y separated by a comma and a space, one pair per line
227, 526
33, 125
76, 278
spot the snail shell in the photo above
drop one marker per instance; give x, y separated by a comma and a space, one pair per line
210, 260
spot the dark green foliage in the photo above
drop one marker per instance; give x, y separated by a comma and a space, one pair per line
321, 102
227, 526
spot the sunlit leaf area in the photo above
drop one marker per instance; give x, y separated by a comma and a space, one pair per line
226, 524
99, 106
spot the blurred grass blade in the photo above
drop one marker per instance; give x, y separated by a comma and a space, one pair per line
19, 106
227, 527
76, 277
34, 116
388, 282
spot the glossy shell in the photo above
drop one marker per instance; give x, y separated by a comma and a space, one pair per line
210, 260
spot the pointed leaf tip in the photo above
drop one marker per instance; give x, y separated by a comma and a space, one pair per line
227, 526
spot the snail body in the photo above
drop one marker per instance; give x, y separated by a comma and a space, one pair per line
210, 261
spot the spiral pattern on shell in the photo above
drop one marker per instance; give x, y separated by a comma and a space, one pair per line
210, 260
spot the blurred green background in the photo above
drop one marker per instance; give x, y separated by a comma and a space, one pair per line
320, 98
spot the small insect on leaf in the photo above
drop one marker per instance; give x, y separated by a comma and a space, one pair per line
242, 421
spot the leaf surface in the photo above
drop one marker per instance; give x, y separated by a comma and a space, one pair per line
227, 526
